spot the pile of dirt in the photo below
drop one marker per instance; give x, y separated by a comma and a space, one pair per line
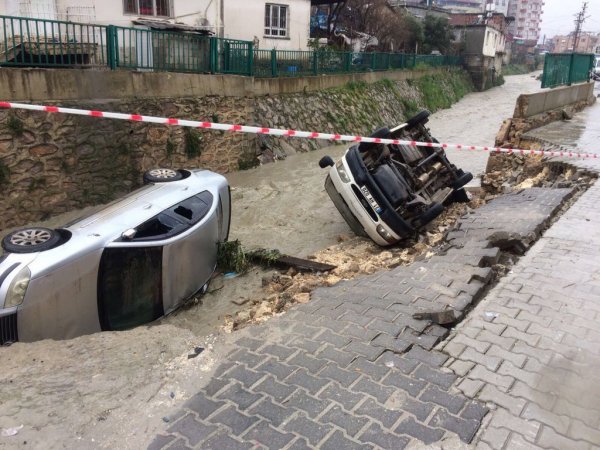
352, 256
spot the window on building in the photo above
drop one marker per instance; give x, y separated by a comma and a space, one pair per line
276, 20
147, 7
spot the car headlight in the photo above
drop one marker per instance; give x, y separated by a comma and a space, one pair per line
17, 289
341, 170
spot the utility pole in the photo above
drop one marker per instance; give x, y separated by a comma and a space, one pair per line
579, 19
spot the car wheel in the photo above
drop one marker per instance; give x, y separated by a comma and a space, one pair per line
420, 118
161, 175
30, 240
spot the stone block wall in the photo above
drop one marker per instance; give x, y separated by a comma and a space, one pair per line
53, 163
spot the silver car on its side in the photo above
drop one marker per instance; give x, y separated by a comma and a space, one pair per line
128, 264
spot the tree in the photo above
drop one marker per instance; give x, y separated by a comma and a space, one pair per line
438, 34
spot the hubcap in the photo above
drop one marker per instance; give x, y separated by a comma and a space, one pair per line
163, 173
30, 236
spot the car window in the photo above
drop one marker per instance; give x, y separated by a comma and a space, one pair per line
129, 287
175, 219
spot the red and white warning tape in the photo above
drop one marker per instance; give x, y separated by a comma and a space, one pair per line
283, 132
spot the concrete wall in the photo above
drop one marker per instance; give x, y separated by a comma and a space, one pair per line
39, 85
532, 104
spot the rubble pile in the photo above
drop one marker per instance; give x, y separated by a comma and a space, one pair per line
508, 172
352, 256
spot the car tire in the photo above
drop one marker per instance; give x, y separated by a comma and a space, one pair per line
31, 240
162, 175
418, 119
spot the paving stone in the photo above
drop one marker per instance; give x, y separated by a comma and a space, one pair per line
474, 410
410, 385
453, 403
344, 377
303, 379
310, 405
337, 356
300, 444
246, 357
179, 444
391, 343
161, 442
237, 421
239, 396
376, 435
490, 362
527, 428
344, 397
500, 381
581, 431
279, 351
308, 345
214, 386
517, 359
275, 368
274, 413
247, 377
550, 439
559, 423
249, 343
461, 368
350, 423
495, 437
490, 393
433, 358
266, 435
314, 432
308, 362
465, 428
221, 441
375, 371
338, 441
442, 379
422, 432
202, 406
388, 417
366, 386
398, 362
278, 391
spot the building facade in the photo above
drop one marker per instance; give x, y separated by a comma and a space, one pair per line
528, 17
588, 43
283, 25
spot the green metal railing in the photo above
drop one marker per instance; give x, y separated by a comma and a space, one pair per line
52, 43
562, 69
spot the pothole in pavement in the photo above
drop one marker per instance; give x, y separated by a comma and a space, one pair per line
356, 257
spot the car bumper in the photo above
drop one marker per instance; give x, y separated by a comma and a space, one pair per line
367, 205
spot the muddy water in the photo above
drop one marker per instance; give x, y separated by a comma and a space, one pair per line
111, 390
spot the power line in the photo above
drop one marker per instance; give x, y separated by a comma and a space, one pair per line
579, 19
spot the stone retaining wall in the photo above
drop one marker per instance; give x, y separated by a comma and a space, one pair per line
53, 163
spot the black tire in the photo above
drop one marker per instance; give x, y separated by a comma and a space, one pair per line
434, 210
459, 196
343, 209
418, 119
463, 179
31, 240
162, 175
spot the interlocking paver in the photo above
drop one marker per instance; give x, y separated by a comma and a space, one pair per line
353, 369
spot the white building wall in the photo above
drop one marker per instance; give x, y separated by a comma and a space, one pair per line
245, 20
491, 42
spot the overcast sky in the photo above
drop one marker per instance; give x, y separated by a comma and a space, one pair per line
559, 16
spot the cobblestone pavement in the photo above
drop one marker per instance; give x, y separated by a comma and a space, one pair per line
531, 348
352, 368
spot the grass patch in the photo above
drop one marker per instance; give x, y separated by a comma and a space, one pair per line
15, 125
193, 143
515, 69
231, 257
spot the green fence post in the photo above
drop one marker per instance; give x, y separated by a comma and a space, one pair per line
571, 69
315, 63
414, 60
347, 61
546, 73
250, 59
273, 63
213, 55
111, 47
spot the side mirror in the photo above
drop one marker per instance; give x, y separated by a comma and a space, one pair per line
325, 161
